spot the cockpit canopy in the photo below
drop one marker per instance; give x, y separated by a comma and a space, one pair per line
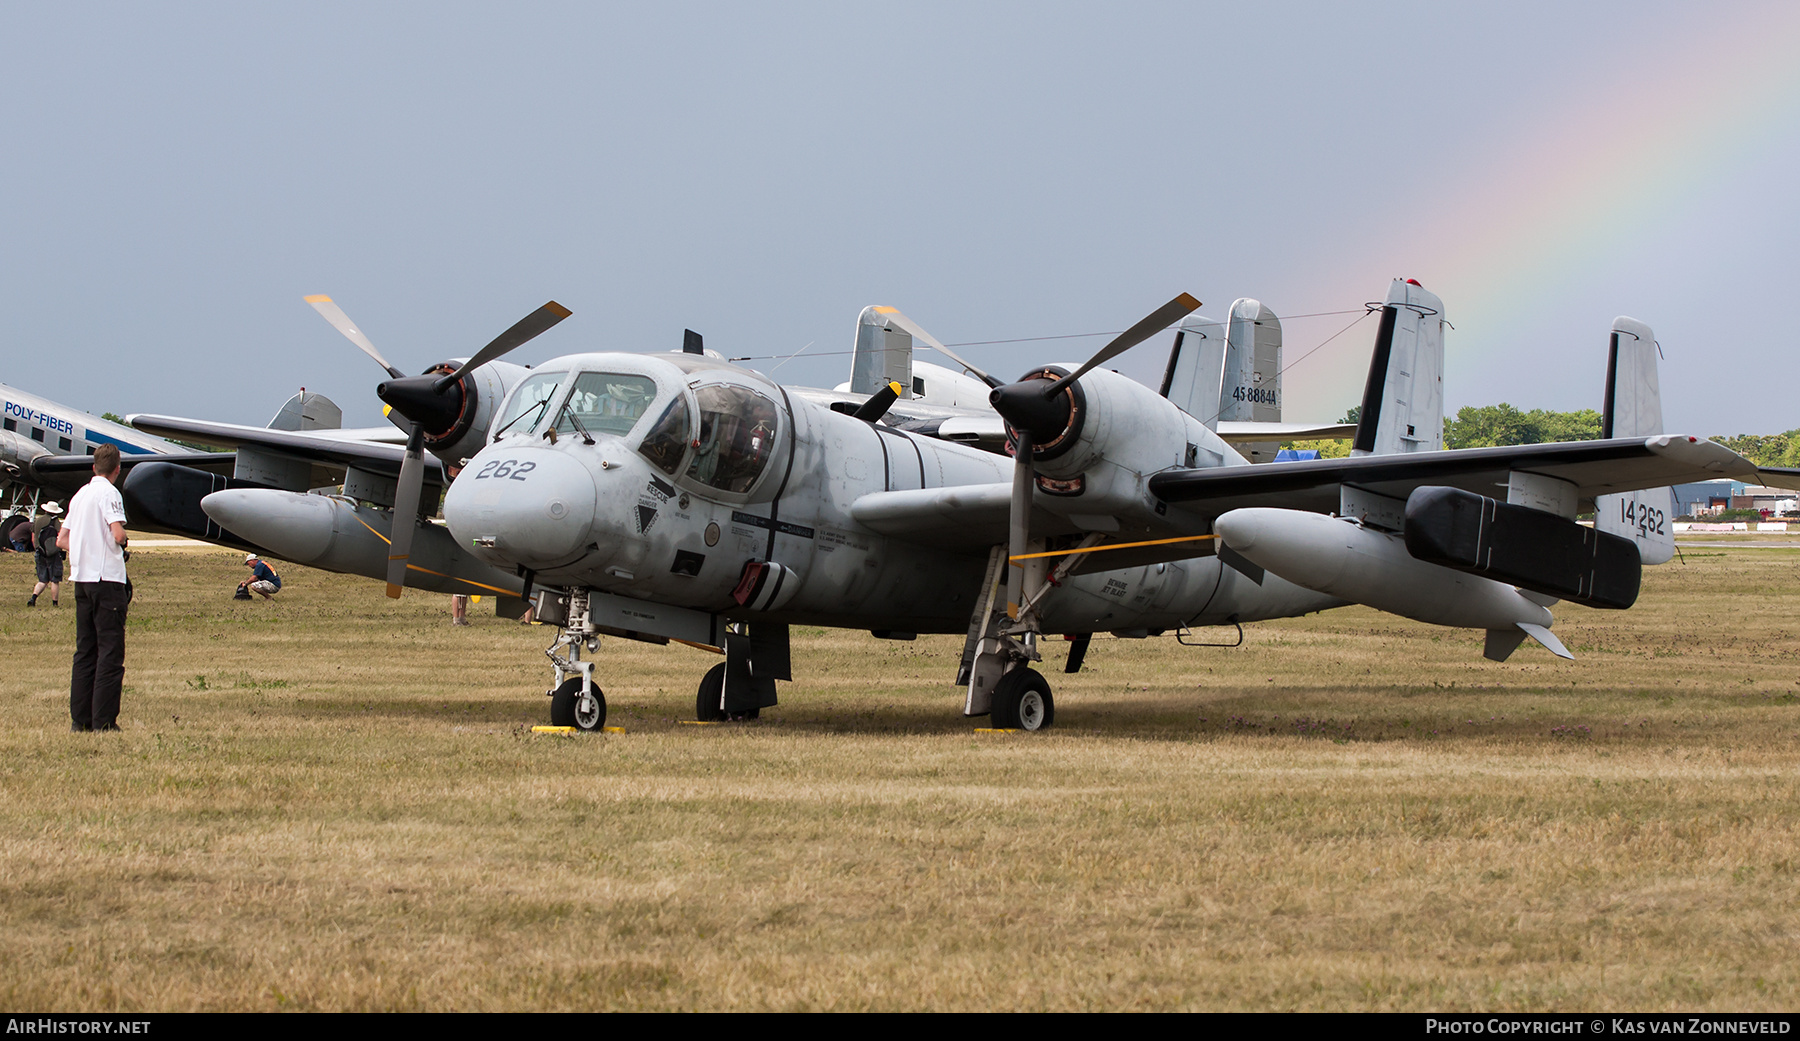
711, 427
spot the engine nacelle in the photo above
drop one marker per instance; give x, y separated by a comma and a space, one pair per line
456, 421
1096, 443
17, 451
1105, 419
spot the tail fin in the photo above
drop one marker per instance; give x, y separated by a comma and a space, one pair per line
1251, 390
1196, 369
1227, 371
306, 411
1403, 402
883, 354
1634, 409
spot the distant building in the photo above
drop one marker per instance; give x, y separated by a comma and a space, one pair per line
1705, 498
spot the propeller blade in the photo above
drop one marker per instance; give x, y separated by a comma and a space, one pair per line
912, 329
340, 321
1158, 320
522, 332
1018, 537
878, 403
406, 510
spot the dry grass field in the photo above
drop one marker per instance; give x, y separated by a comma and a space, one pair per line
333, 801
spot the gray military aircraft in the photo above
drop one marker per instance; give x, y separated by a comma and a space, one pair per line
681, 498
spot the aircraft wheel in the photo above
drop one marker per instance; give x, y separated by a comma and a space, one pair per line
712, 689
569, 707
1022, 701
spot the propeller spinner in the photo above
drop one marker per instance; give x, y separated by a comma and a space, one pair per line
431, 404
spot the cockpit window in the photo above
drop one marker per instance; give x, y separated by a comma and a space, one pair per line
605, 403
669, 437
737, 436
531, 397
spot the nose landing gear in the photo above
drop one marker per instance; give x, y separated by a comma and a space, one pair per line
573, 706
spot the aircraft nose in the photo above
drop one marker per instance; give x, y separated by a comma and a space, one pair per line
520, 505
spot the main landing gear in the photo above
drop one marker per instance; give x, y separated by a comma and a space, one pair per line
1022, 701
1000, 649
709, 700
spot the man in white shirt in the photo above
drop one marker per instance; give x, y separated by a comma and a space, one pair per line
94, 538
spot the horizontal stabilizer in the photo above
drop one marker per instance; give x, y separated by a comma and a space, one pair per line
1779, 476
1251, 430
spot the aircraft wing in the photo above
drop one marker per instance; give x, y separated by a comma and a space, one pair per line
967, 516
1779, 476
322, 449
211, 462
1593, 467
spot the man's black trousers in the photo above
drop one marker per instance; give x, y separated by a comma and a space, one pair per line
99, 671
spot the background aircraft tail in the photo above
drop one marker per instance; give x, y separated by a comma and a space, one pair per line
1229, 372
1403, 402
1634, 409
883, 354
306, 411
1196, 368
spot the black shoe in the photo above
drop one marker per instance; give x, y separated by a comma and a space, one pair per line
32, 602
77, 728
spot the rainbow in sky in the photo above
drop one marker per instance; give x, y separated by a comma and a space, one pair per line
1704, 99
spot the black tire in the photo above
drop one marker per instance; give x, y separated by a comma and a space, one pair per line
9, 524
712, 691
1022, 702
568, 708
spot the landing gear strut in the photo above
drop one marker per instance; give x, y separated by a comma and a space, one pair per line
576, 700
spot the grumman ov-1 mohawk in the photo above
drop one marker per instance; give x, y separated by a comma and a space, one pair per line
681, 498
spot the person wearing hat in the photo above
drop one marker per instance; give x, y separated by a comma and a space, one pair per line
49, 558
263, 580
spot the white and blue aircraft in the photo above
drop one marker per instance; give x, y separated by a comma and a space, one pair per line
46, 451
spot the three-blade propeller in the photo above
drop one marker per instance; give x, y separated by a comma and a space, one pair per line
424, 400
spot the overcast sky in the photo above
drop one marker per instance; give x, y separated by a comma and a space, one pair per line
177, 176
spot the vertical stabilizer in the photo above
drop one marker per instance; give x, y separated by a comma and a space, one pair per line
883, 354
1251, 389
1403, 402
1196, 369
306, 411
1634, 409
